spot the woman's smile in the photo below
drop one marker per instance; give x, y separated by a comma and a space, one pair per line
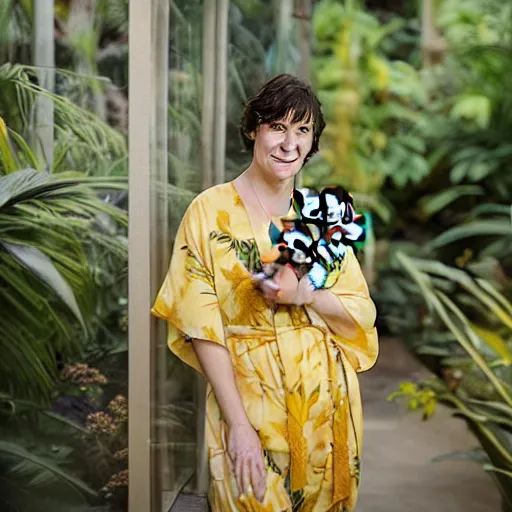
284, 160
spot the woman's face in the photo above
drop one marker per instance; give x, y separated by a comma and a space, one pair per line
281, 147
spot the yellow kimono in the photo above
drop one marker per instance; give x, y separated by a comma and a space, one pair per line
297, 380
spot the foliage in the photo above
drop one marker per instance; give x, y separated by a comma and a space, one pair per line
373, 104
445, 287
63, 252
47, 222
477, 318
40, 450
52, 226
82, 140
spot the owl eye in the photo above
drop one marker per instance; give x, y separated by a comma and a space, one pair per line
294, 236
311, 209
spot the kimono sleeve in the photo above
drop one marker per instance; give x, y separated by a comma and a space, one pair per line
187, 298
352, 290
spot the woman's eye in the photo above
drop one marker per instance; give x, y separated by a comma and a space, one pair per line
304, 129
276, 126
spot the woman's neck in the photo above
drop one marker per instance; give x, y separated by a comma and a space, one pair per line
273, 194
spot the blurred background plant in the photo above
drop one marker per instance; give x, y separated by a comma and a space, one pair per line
445, 285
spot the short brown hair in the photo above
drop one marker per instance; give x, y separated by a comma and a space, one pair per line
276, 99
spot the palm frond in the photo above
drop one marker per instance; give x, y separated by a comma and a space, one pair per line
46, 223
79, 128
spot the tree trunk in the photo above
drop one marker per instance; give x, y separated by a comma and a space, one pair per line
44, 60
303, 14
433, 45
81, 23
284, 22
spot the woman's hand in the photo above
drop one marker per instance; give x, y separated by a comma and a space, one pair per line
286, 288
292, 290
305, 291
246, 455
288, 284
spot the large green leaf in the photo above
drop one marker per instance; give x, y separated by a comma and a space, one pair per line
432, 204
42, 267
18, 184
48, 224
82, 127
495, 227
52, 471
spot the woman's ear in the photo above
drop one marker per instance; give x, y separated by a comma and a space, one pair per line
252, 135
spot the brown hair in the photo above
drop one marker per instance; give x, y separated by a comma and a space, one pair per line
277, 99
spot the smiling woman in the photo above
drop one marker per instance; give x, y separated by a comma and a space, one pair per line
281, 356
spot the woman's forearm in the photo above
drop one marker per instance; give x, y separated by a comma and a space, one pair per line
218, 369
330, 308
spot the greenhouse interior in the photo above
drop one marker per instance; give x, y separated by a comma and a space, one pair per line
116, 114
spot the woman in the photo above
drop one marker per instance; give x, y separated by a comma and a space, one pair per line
283, 408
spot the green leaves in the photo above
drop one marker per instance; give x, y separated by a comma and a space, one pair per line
434, 203
418, 397
47, 471
26, 184
372, 103
46, 223
481, 322
82, 140
492, 227
42, 267
473, 107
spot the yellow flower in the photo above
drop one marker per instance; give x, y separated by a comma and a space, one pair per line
249, 302
223, 221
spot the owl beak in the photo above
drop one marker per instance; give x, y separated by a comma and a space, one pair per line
274, 254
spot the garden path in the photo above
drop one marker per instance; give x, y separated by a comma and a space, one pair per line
397, 472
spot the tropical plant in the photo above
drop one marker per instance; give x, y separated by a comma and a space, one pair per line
45, 274
82, 140
470, 322
372, 104
72, 462
91, 53
472, 118
452, 275
52, 228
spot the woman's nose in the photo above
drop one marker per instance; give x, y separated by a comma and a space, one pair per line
289, 142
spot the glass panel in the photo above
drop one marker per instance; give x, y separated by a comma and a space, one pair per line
63, 342
176, 407
260, 41
262, 38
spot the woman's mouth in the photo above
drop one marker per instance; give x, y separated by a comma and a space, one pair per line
284, 161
